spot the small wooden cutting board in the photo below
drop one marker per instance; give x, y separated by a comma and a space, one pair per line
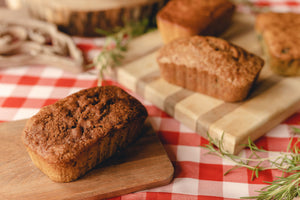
143, 165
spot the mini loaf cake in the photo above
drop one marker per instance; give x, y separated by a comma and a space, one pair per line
280, 37
73, 135
181, 18
211, 66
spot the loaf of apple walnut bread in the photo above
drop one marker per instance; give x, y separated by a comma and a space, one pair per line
70, 137
211, 66
279, 34
182, 18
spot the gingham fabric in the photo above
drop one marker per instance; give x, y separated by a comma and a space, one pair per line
25, 89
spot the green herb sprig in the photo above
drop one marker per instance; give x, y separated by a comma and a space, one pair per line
285, 187
116, 44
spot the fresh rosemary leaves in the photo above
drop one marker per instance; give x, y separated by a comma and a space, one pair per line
285, 187
116, 44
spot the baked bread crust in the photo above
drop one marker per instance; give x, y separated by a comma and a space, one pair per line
182, 18
211, 66
280, 37
73, 135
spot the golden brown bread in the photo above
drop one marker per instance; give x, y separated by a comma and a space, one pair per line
280, 37
72, 136
211, 66
182, 18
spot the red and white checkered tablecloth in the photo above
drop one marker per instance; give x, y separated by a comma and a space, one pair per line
25, 89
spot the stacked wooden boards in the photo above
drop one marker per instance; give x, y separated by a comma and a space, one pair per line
272, 100
144, 165
82, 17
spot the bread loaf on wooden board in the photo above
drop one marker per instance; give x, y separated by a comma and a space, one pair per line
279, 37
183, 18
273, 98
67, 139
83, 17
211, 66
143, 165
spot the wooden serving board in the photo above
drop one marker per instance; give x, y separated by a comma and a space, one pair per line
273, 99
143, 165
82, 17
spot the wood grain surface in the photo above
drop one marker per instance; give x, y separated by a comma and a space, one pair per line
144, 165
82, 17
272, 99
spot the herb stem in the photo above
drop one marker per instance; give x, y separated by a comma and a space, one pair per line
116, 45
285, 187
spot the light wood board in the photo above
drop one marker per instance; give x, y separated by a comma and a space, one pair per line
143, 165
272, 100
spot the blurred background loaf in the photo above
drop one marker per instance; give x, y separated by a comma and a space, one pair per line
184, 18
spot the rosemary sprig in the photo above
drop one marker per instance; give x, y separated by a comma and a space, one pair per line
285, 187
116, 44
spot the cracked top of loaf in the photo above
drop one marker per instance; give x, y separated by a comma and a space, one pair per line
281, 34
214, 56
195, 14
61, 131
